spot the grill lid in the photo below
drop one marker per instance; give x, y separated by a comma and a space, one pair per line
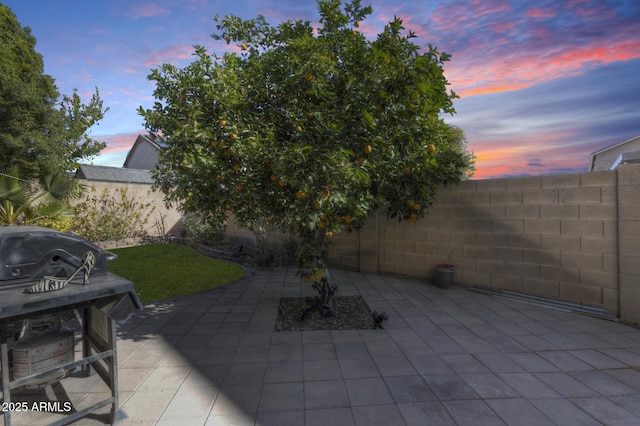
27, 253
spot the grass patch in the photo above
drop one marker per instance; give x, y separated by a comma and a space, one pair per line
163, 271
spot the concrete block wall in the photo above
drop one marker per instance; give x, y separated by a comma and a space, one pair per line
629, 241
573, 237
143, 193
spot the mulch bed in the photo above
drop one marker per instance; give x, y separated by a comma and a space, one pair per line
353, 313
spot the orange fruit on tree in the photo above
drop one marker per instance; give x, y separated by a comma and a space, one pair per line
273, 178
236, 167
367, 149
223, 123
228, 39
308, 77
360, 160
233, 136
431, 148
326, 193
316, 204
298, 128
300, 194
406, 169
282, 183
348, 218
240, 186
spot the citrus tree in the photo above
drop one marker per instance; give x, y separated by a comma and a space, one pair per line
307, 129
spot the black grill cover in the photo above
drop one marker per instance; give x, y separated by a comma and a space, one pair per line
27, 253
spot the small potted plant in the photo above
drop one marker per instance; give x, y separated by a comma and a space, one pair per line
444, 274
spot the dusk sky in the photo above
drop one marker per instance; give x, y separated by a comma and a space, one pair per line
543, 83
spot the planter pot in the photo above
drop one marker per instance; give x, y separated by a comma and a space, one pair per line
444, 275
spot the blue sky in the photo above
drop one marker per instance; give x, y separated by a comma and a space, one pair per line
542, 83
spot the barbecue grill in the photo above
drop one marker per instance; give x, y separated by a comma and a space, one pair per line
28, 253
40, 279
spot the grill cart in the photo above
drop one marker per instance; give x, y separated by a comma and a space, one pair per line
43, 274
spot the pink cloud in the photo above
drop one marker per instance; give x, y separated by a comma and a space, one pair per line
450, 16
107, 48
420, 30
503, 27
196, 4
538, 12
533, 154
119, 143
169, 54
147, 11
600, 12
473, 75
483, 7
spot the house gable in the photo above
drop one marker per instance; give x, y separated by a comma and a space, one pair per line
610, 157
144, 153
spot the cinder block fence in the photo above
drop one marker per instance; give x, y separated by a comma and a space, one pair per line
573, 237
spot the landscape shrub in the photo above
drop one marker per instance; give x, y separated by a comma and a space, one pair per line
111, 216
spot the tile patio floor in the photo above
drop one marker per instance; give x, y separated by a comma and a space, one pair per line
445, 357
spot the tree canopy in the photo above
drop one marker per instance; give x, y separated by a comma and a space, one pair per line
307, 129
39, 132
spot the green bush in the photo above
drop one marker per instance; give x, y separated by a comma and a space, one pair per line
200, 230
62, 224
111, 216
269, 253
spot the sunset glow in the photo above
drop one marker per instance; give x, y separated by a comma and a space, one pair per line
542, 84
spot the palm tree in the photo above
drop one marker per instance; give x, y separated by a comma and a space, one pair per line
36, 203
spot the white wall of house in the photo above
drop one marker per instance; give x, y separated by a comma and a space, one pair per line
604, 159
143, 155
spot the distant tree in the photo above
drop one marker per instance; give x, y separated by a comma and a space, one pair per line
457, 142
39, 133
310, 130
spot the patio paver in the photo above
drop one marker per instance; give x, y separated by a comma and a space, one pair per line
444, 357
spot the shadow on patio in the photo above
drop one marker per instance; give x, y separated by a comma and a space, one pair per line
444, 356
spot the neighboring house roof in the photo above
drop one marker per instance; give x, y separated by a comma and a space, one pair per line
619, 153
113, 174
141, 147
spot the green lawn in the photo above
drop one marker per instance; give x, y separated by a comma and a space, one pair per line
163, 271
